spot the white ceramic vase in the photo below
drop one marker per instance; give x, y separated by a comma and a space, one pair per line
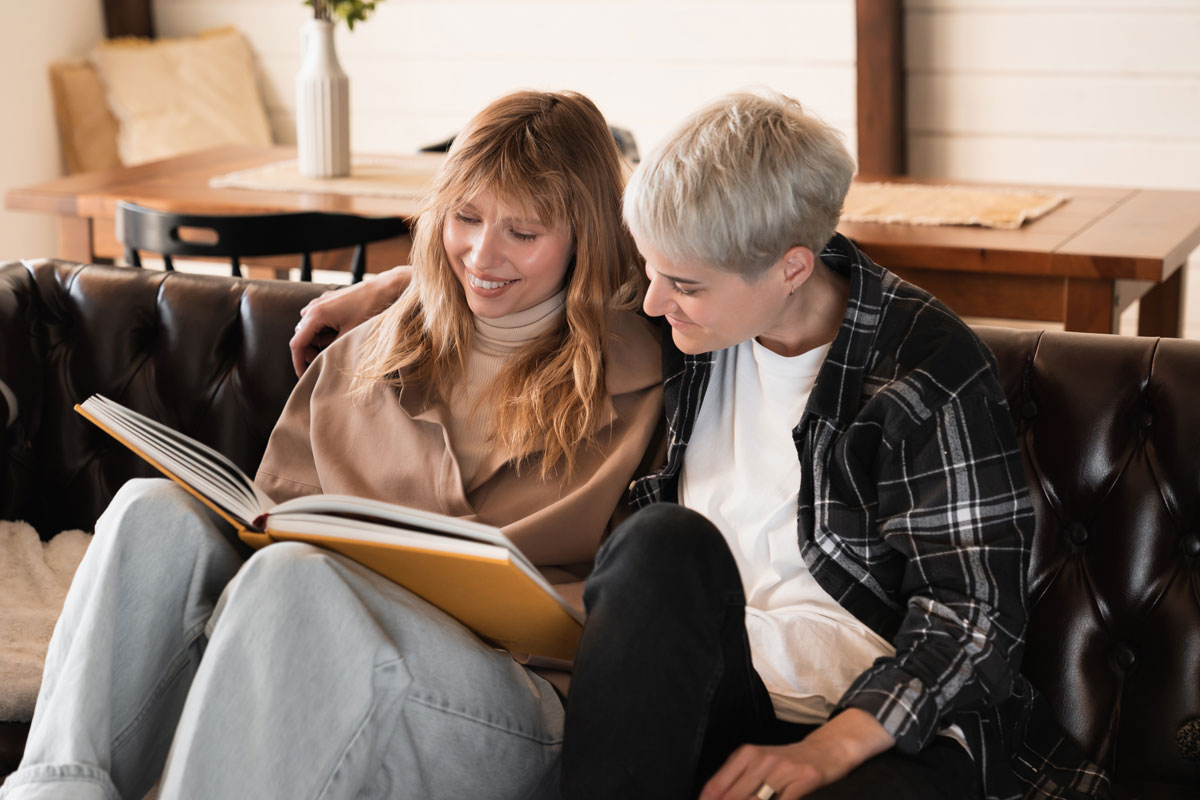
322, 106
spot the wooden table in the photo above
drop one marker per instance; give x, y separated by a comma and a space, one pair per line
1080, 265
85, 204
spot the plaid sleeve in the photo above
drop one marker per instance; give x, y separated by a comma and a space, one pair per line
952, 500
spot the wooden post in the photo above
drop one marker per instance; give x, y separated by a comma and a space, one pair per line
128, 18
882, 118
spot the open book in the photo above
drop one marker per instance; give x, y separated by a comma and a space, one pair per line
469, 570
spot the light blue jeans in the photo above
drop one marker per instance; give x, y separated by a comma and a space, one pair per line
295, 674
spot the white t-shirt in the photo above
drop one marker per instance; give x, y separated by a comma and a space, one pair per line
806, 647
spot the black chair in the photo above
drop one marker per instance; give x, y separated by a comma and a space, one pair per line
240, 236
626, 144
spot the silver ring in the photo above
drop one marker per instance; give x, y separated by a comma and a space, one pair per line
765, 791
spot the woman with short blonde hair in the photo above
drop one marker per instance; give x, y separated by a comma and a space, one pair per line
740, 183
826, 583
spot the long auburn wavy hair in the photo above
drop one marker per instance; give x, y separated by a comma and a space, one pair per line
550, 153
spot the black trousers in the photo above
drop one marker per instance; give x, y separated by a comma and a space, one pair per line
664, 689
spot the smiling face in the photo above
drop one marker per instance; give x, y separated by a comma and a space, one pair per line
710, 309
506, 260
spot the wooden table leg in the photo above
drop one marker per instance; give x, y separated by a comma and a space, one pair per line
1161, 310
75, 239
1089, 306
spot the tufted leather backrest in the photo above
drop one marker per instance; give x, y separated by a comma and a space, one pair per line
1110, 430
206, 355
1109, 426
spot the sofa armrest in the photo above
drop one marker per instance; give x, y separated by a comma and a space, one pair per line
9, 407
20, 382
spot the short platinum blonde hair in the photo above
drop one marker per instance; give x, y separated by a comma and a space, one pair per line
740, 183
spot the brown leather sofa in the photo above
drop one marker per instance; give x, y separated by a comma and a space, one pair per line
1110, 428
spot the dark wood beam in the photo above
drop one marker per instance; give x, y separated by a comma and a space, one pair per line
128, 18
882, 118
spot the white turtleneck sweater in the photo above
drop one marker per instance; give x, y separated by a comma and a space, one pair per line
496, 340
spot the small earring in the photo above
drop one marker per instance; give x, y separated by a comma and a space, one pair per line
792, 292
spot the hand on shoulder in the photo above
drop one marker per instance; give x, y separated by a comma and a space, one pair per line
339, 310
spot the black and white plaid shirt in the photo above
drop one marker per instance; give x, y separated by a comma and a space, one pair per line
914, 515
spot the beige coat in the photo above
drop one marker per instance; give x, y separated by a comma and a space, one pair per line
396, 449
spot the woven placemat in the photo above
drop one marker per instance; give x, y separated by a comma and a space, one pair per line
913, 204
376, 176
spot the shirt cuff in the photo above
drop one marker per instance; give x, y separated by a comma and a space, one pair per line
900, 702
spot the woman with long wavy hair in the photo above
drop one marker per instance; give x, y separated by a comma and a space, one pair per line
510, 384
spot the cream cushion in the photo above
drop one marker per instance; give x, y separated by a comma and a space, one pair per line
173, 96
86, 126
35, 576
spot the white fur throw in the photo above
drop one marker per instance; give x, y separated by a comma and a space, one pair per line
34, 576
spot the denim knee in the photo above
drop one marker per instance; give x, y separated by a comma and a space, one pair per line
151, 491
284, 572
151, 519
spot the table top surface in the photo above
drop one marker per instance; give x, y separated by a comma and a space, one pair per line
1099, 232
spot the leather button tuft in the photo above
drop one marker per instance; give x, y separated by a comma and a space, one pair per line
1191, 544
1188, 739
1123, 657
1077, 534
1029, 409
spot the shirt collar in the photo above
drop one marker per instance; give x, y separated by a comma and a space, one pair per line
836, 392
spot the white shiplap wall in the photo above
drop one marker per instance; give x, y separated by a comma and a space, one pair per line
1091, 92
419, 70
1096, 92
38, 34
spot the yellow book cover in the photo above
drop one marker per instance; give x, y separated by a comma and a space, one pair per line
469, 570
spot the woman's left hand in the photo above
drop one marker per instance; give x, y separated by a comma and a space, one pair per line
789, 771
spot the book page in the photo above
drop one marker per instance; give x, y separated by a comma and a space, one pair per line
395, 533
338, 505
383, 533
196, 465
414, 519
